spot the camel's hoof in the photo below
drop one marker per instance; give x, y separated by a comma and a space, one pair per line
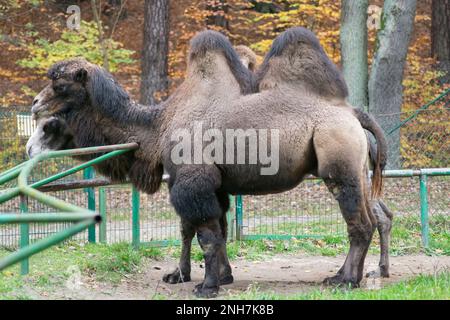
384, 272
201, 292
176, 277
379, 273
340, 281
373, 274
226, 280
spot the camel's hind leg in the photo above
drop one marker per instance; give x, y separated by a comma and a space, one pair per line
350, 192
225, 269
340, 145
384, 224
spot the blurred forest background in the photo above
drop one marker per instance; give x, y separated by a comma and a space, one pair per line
131, 37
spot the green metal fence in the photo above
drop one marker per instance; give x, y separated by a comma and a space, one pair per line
80, 218
306, 211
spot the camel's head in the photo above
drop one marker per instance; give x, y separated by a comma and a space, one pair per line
248, 57
66, 91
79, 86
51, 133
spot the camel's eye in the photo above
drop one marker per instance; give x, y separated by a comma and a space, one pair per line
51, 127
60, 89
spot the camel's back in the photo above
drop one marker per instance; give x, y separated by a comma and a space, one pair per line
285, 109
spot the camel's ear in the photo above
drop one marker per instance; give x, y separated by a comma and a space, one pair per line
81, 76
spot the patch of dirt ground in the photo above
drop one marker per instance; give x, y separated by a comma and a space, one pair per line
282, 274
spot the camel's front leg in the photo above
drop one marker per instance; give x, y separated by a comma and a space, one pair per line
193, 195
210, 238
183, 272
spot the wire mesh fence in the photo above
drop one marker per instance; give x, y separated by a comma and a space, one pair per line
420, 138
308, 210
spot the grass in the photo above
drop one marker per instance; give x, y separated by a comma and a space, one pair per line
406, 236
422, 287
312, 209
119, 215
262, 249
406, 240
53, 267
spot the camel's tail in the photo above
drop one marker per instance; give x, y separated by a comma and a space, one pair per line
379, 162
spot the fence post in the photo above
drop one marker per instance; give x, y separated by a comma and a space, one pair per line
424, 209
88, 173
102, 210
230, 220
24, 235
136, 231
239, 217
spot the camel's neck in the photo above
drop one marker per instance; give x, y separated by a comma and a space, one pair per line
131, 113
137, 124
128, 123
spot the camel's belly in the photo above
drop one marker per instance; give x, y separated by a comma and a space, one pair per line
251, 179
259, 184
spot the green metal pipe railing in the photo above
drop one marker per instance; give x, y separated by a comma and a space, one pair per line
83, 218
424, 211
102, 232
121, 149
135, 208
88, 173
11, 174
24, 253
422, 108
13, 169
239, 217
24, 235
11, 218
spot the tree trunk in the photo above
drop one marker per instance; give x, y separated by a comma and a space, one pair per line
217, 17
154, 63
354, 50
385, 83
101, 35
440, 35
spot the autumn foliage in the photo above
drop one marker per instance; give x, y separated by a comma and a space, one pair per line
33, 34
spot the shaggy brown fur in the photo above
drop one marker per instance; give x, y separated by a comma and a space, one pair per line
315, 137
